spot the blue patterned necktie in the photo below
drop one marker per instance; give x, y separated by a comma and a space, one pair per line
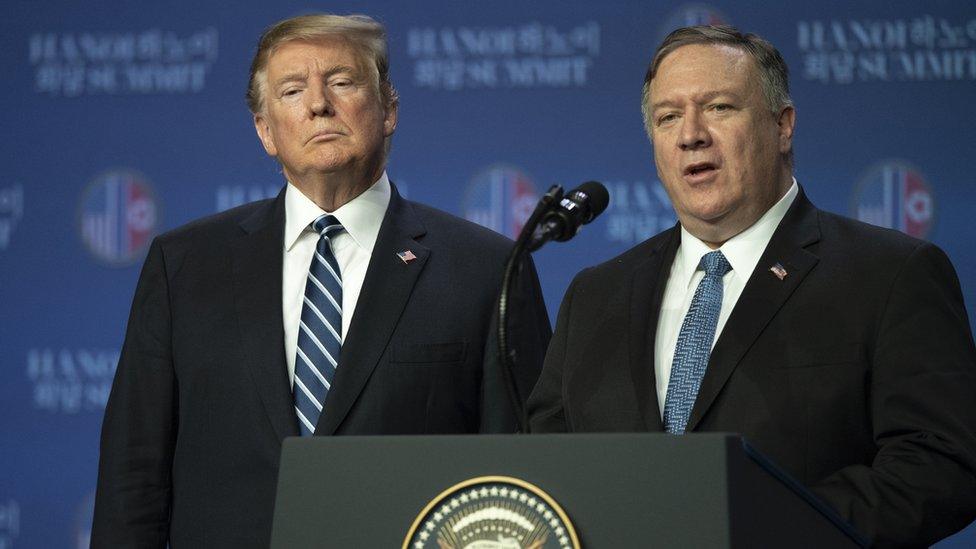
695, 343
320, 329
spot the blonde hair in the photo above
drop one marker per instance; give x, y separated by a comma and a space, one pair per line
365, 34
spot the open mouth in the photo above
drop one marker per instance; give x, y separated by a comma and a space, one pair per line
700, 168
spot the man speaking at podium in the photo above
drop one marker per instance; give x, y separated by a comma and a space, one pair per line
840, 350
336, 308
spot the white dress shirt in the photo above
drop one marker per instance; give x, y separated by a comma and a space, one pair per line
742, 251
361, 217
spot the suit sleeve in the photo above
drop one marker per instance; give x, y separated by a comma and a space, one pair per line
921, 485
529, 335
545, 406
132, 502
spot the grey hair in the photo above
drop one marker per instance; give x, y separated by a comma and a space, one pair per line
773, 72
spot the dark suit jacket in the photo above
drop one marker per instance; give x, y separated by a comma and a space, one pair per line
856, 373
201, 399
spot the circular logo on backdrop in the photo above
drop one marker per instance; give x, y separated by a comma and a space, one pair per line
492, 513
501, 198
895, 195
690, 15
118, 215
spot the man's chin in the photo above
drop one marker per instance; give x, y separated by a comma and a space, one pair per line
712, 216
321, 168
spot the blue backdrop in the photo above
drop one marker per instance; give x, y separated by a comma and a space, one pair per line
122, 120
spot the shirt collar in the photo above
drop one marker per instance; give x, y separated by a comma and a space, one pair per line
361, 216
742, 250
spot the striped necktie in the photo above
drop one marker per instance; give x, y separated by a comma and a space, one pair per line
320, 329
694, 344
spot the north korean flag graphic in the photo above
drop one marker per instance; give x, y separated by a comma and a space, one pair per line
501, 198
118, 217
895, 195
521, 203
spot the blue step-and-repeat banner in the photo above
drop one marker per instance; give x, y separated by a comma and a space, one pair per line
121, 120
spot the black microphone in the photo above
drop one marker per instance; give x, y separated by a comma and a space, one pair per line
577, 208
555, 217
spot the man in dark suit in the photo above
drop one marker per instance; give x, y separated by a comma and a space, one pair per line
337, 308
841, 350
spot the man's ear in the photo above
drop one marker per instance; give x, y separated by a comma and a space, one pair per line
390, 121
263, 130
786, 122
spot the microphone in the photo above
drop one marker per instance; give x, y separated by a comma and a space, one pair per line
577, 208
558, 217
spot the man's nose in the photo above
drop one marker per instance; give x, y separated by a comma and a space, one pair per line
694, 132
319, 102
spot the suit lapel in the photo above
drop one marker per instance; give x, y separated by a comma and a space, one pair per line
762, 297
650, 278
257, 264
386, 289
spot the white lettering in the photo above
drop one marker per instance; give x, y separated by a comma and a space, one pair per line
421, 42
96, 48
147, 62
171, 78
552, 72
449, 43
98, 364
40, 364
42, 47
531, 55
157, 77
66, 364
69, 381
938, 65
102, 79
488, 42
483, 74
139, 77
638, 211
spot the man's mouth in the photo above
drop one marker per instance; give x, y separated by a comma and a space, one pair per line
699, 168
324, 135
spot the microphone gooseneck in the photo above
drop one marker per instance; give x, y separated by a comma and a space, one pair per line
556, 217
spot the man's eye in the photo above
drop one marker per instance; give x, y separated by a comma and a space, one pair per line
722, 107
666, 118
290, 91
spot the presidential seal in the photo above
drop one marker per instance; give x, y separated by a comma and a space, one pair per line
492, 513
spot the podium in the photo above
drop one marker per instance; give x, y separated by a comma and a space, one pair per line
618, 490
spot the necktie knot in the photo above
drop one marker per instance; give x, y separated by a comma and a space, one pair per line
715, 264
326, 225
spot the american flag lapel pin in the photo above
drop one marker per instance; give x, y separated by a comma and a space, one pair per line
779, 271
406, 256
